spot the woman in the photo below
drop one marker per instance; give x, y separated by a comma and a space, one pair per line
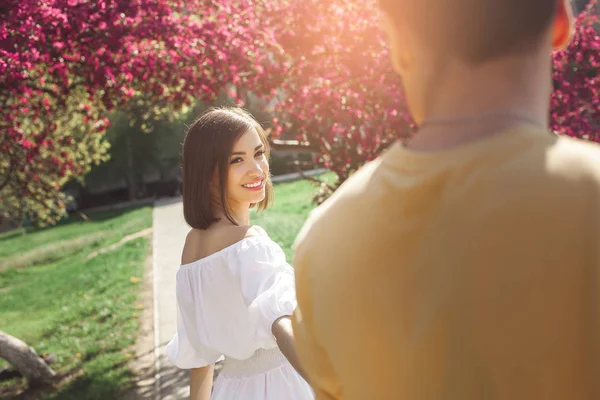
235, 291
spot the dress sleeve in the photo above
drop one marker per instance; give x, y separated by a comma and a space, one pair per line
185, 352
267, 285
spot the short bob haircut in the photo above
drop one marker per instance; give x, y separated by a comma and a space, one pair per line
207, 148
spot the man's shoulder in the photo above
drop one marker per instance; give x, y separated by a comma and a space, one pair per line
552, 183
560, 169
576, 156
559, 163
352, 189
339, 212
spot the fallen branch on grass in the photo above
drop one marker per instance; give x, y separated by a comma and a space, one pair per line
25, 360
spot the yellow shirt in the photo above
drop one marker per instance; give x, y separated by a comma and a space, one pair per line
465, 274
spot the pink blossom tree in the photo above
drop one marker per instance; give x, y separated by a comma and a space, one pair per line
575, 100
339, 93
65, 64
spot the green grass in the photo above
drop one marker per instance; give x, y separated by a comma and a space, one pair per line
293, 203
83, 311
18, 243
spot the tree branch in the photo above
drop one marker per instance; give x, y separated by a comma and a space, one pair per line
25, 359
11, 170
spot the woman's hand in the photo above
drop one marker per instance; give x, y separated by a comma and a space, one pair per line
284, 334
201, 380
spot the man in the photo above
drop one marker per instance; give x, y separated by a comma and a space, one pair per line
464, 264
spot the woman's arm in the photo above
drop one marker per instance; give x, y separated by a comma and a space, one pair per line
284, 334
201, 380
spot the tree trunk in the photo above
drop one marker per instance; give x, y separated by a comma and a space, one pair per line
25, 360
131, 179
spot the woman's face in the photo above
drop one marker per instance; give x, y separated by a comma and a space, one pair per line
248, 171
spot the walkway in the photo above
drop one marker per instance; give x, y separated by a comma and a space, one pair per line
170, 230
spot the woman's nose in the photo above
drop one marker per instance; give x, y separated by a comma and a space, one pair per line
255, 169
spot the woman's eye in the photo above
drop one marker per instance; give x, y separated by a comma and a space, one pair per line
260, 153
236, 160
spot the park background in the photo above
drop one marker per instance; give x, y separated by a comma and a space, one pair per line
96, 97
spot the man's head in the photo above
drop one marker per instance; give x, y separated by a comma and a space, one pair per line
428, 35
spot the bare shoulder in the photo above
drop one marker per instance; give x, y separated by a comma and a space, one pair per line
203, 243
193, 248
230, 235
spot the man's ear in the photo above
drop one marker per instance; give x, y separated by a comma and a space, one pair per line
563, 25
399, 55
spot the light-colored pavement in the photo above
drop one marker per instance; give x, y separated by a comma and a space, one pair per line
170, 230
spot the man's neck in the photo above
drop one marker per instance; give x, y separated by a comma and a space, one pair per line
471, 104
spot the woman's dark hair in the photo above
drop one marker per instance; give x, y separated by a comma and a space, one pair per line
206, 150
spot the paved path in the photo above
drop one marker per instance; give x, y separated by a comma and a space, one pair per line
296, 175
170, 230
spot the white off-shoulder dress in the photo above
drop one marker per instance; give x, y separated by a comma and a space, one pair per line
227, 303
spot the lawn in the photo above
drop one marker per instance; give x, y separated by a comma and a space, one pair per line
20, 248
84, 311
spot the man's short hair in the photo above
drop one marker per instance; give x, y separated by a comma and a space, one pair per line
475, 30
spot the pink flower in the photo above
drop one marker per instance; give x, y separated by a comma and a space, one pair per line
27, 144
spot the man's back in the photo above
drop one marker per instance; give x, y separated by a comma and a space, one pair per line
470, 273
